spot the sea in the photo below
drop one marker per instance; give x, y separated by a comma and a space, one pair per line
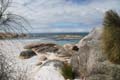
53, 38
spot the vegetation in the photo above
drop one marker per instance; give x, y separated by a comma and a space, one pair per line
14, 23
111, 36
10, 22
67, 71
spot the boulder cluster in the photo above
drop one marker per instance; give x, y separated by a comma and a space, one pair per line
91, 63
49, 51
86, 58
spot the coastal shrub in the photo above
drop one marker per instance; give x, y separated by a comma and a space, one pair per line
10, 22
111, 36
67, 71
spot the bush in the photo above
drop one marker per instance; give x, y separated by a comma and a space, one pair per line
67, 71
111, 36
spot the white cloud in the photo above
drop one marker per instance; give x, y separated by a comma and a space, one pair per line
42, 13
50, 30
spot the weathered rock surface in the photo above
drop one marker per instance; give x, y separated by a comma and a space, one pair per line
68, 46
73, 47
44, 48
39, 63
35, 45
27, 54
42, 58
49, 71
90, 62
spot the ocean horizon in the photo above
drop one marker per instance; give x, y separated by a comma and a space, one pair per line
57, 38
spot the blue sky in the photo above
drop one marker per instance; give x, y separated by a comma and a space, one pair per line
64, 15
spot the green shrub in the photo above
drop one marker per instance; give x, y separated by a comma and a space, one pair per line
111, 36
67, 71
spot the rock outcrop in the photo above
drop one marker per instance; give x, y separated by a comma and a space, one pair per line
44, 48
27, 54
51, 70
90, 63
46, 52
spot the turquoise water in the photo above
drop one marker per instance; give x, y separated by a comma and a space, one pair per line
47, 40
51, 38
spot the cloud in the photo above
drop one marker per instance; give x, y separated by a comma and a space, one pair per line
49, 14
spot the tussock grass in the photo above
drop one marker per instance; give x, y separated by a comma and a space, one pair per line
67, 71
111, 36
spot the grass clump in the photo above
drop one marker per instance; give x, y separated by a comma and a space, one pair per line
111, 36
67, 71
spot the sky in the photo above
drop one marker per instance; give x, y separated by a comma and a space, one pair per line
63, 15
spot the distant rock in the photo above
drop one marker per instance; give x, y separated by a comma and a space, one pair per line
60, 37
12, 35
90, 62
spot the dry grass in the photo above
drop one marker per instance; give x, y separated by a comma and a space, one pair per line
67, 72
111, 36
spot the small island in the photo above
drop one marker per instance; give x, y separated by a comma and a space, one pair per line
12, 35
60, 37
